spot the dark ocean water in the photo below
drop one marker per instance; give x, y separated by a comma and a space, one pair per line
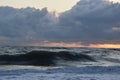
60, 56
57, 63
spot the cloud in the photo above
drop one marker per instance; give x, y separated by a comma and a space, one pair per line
25, 25
88, 22
92, 21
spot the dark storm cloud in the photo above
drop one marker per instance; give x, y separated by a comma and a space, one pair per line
89, 22
92, 21
25, 25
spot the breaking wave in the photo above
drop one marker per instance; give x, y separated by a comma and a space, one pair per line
43, 58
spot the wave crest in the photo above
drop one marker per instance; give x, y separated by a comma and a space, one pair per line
42, 58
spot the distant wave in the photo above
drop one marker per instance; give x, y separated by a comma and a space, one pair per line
42, 58
115, 49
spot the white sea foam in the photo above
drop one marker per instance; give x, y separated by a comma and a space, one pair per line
81, 73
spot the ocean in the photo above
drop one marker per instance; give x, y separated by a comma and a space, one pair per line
58, 63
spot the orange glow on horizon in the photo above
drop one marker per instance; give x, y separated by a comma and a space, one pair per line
104, 46
56, 44
62, 44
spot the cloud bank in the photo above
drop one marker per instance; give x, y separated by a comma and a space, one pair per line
88, 22
92, 21
27, 25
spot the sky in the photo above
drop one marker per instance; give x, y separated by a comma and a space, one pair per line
52, 5
84, 23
